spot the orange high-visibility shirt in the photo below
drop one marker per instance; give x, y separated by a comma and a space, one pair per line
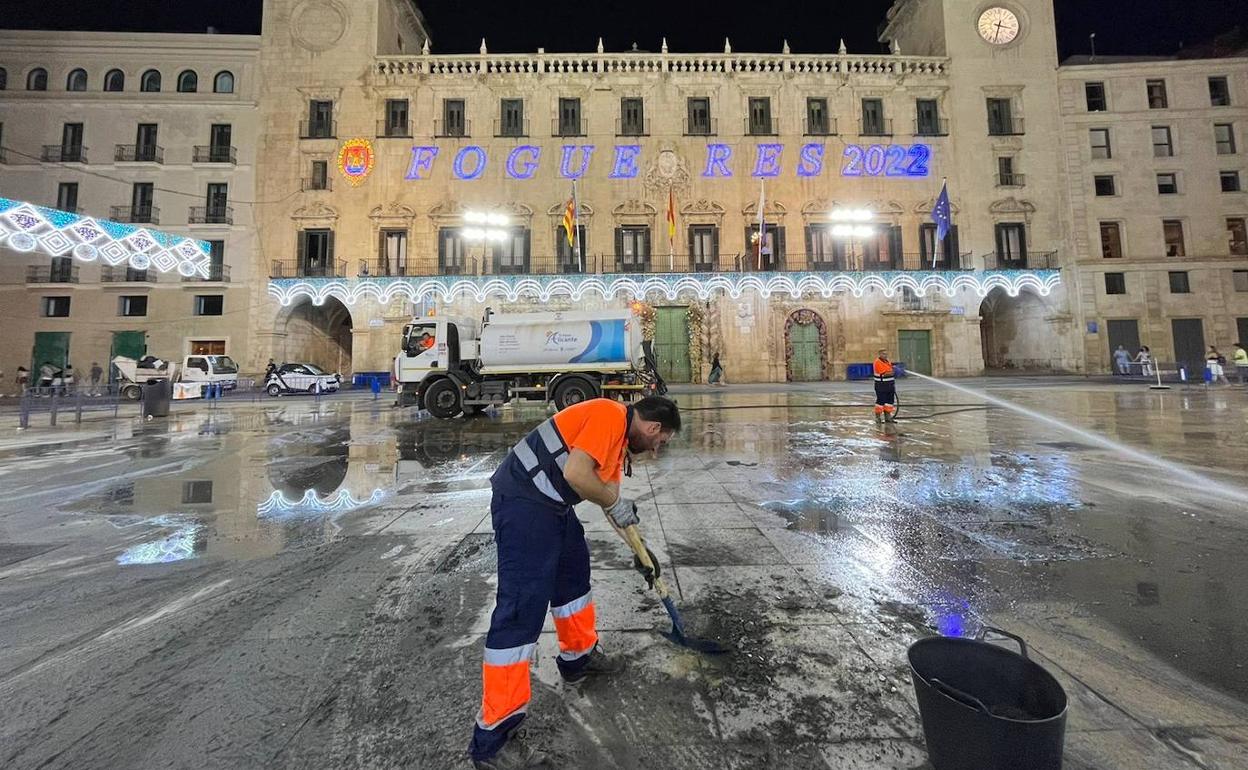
597, 427
883, 368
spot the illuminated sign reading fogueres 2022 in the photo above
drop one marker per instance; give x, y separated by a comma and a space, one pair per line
523, 162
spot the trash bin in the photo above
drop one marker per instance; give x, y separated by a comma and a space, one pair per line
984, 707
156, 398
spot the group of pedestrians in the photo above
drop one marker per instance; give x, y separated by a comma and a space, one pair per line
1124, 361
50, 379
1216, 364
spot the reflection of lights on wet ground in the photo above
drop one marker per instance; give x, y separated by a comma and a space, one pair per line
176, 547
278, 505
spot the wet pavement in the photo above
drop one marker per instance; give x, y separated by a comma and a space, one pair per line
303, 584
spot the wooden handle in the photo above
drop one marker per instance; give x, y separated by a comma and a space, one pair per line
633, 537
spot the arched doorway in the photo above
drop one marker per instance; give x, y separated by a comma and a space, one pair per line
317, 334
1014, 334
805, 347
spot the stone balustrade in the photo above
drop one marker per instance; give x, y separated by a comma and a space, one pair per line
643, 63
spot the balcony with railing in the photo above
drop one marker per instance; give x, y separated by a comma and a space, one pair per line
511, 129
216, 274
332, 268
65, 273
123, 274
876, 127
316, 184
1011, 180
1030, 260
708, 127
1006, 127
452, 129
318, 129
825, 127
632, 127
135, 215
214, 153
139, 153
210, 215
761, 127
569, 128
392, 129
457, 66
931, 127
63, 153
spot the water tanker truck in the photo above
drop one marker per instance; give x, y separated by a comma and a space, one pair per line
451, 365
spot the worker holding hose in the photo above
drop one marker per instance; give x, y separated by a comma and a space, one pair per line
543, 559
885, 389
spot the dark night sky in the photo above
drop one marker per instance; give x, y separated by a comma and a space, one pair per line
1121, 26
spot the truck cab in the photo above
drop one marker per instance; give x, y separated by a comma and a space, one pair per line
207, 368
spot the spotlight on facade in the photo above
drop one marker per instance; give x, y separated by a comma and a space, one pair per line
852, 231
851, 215
482, 218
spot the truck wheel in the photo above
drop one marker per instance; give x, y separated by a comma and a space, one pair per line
442, 399
573, 391
274, 390
131, 392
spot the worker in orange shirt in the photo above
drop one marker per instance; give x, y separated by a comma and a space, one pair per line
543, 559
885, 389
426, 341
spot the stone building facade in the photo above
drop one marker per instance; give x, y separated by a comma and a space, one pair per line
154, 130
708, 135
368, 166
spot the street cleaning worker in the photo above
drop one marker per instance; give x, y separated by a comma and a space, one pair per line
885, 388
543, 558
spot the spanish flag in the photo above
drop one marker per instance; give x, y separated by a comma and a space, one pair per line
671, 216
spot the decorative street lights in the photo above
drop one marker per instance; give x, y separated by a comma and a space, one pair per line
851, 225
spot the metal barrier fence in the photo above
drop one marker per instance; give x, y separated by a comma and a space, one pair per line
67, 400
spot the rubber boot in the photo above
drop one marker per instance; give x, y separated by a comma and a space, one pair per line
515, 755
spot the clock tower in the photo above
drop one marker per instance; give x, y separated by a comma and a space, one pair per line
1003, 157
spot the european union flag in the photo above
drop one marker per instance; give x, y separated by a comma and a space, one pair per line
942, 214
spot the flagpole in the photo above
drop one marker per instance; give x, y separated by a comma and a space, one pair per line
762, 219
576, 230
671, 226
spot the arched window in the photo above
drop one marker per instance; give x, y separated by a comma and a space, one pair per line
4, 78
77, 80
224, 83
150, 81
188, 82
115, 80
37, 80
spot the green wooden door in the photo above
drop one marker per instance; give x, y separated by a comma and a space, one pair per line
128, 344
50, 347
806, 364
914, 349
671, 344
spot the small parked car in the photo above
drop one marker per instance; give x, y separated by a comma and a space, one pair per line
301, 378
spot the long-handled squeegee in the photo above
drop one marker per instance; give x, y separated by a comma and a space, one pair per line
677, 634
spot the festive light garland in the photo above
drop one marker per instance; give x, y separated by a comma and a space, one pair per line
26, 227
670, 285
341, 502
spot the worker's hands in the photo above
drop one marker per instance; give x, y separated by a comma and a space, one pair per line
623, 512
649, 573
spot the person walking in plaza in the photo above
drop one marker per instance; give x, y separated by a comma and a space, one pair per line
1214, 363
717, 371
1145, 359
97, 374
1240, 359
1122, 361
543, 559
885, 388
22, 380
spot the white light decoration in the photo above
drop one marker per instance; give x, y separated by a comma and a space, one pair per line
481, 218
851, 215
670, 285
278, 505
178, 546
26, 227
852, 231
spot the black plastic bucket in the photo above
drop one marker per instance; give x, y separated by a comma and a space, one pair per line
985, 707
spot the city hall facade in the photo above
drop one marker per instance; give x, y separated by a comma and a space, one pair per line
390, 180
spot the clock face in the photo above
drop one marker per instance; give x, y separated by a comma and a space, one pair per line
998, 26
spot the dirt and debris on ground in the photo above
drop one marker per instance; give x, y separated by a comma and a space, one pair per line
308, 584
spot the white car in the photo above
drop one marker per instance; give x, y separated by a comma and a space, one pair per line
301, 378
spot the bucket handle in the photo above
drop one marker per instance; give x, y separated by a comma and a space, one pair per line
965, 698
1022, 646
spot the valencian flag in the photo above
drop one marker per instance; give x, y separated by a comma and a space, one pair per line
942, 215
570, 217
671, 228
